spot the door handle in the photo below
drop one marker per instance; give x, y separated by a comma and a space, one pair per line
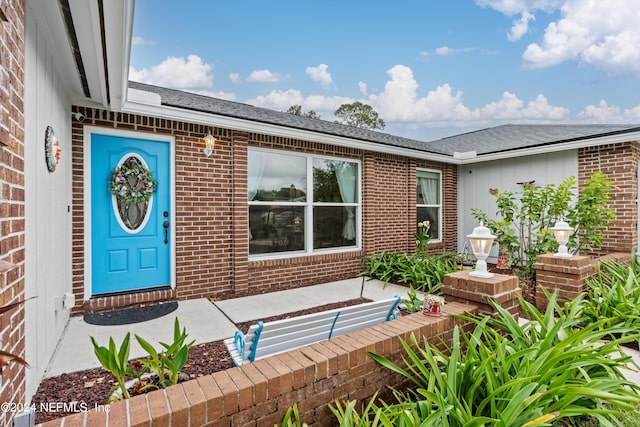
166, 231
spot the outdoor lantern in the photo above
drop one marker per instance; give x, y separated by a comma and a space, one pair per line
481, 242
209, 142
562, 231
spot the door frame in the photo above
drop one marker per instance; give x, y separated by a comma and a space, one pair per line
87, 131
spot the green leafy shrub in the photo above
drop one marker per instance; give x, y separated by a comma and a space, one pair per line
525, 219
613, 295
550, 368
424, 274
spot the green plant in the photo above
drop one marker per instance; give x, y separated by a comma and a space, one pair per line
167, 364
292, 418
525, 219
425, 274
413, 303
552, 367
422, 239
371, 415
115, 361
613, 295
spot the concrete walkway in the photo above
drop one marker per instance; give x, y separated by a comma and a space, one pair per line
205, 321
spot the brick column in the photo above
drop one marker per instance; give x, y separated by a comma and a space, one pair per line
462, 287
564, 275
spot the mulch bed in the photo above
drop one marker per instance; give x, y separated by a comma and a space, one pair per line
92, 387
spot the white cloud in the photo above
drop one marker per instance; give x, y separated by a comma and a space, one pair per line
510, 107
602, 33
279, 100
520, 26
632, 115
282, 100
524, 8
320, 74
363, 88
516, 7
449, 51
605, 113
401, 106
234, 77
139, 41
400, 102
444, 51
176, 73
265, 76
601, 113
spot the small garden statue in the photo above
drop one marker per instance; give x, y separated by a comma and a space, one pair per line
432, 305
422, 239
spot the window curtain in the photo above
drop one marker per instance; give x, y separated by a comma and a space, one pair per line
256, 170
429, 188
346, 174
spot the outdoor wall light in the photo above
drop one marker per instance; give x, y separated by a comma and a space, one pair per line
481, 242
562, 232
209, 142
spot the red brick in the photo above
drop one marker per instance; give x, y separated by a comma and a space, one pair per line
213, 395
230, 396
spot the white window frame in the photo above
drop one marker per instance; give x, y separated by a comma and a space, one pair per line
308, 208
438, 206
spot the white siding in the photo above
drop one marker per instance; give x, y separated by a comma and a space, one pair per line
475, 181
47, 203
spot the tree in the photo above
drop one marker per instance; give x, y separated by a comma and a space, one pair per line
359, 115
523, 229
296, 110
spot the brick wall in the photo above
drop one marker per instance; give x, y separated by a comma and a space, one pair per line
212, 251
258, 394
619, 162
12, 325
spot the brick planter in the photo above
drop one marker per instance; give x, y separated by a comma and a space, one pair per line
259, 394
503, 289
564, 275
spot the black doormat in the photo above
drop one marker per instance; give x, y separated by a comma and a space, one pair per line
127, 316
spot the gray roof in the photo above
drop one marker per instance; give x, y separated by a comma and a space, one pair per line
515, 137
206, 104
486, 141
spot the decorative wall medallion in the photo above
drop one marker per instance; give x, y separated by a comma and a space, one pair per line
52, 149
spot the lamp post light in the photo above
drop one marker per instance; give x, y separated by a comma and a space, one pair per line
481, 242
562, 232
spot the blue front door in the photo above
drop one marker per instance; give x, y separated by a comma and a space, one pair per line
130, 243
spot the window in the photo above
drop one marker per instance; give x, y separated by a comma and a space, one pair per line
301, 203
428, 201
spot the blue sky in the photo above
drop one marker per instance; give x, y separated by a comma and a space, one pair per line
429, 68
